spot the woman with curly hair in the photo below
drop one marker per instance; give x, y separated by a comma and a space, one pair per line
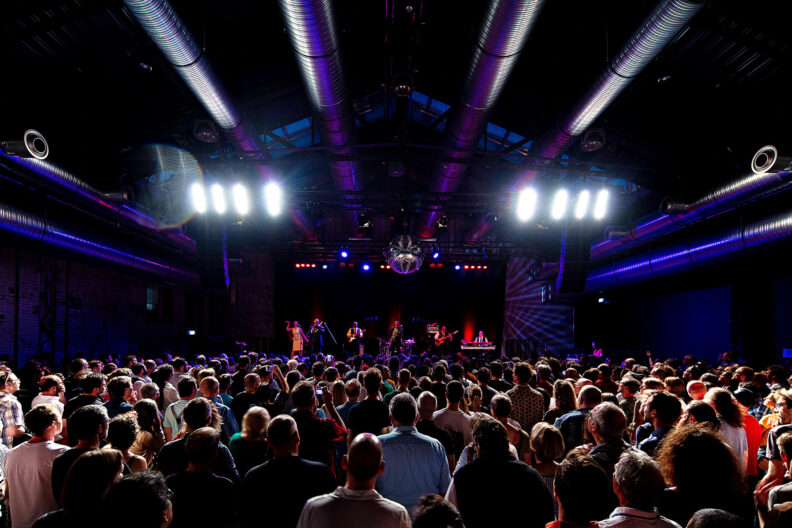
150, 438
121, 434
565, 400
701, 472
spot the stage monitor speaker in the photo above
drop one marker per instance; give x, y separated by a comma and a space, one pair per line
575, 257
212, 254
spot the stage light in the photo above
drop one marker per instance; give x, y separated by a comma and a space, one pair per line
467, 267
382, 266
241, 200
344, 254
387, 266
313, 265
457, 267
366, 267
526, 204
601, 300
296, 265
601, 205
581, 208
485, 267
559, 204
432, 265
324, 266
218, 199
198, 197
436, 255
273, 197
439, 264
191, 332
478, 267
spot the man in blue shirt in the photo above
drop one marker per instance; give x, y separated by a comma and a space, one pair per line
119, 389
415, 464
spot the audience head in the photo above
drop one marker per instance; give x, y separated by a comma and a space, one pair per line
255, 421
43, 421
582, 489
89, 422
607, 422
201, 445
726, 406
187, 388
363, 461
372, 380
700, 412
427, 405
122, 431
89, 479
547, 442
589, 397
500, 406
523, 373
304, 396
638, 481
434, 511
150, 496
490, 438
403, 409
455, 391
352, 389
696, 389
665, 407
714, 518
199, 412
282, 435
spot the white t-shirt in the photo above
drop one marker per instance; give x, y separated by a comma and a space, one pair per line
345, 507
43, 399
28, 473
737, 440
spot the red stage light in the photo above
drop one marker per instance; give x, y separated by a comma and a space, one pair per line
478, 267
351, 264
432, 265
342, 264
313, 265
467, 267
440, 265
296, 265
382, 266
387, 267
485, 267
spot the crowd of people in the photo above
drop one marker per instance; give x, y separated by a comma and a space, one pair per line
423, 441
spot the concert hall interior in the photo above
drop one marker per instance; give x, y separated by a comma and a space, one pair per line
182, 177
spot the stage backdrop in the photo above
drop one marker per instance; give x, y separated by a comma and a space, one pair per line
536, 320
467, 301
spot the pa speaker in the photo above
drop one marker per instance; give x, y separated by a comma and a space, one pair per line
575, 258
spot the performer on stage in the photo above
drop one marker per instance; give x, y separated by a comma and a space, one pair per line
481, 338
396, 338
297, 337
443, 341
354, 335
315, 337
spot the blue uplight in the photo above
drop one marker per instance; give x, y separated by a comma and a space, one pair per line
457, 267
344, 253
436, 255
366, 267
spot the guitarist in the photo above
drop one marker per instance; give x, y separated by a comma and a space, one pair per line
443, 341
396, 338
354, 335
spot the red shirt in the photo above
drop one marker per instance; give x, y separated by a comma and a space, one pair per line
753, 430
567, 524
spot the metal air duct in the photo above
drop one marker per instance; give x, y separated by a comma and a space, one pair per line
36, 229
311, 27
687, 256
174, 40
65, 182
662, 25
501, 38
674, 215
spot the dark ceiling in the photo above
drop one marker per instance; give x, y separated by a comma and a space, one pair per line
85, 74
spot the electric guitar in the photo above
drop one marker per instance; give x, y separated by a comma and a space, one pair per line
442, 340
356, 335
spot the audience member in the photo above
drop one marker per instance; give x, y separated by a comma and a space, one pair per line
582, 490
452, 419
249, 447
573, 424
527, 403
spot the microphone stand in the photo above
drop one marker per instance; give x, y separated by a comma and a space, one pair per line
331, 333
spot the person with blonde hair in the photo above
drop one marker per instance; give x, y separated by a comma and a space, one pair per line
249, 447
547, 446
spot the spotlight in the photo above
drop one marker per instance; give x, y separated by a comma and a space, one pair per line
324, 266
382, 266
601, 300
366, 267
559, 204
344, 254
457, 267
601, 205
485, 267
467, 267
191, 332
436, 255
218, 198
241, 201
526, 204
582, 204
296, 265
313, 265
273, 197
198, 197
32, 145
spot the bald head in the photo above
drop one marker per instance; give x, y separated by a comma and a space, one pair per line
589, 397
696, 389
364, 460
608, 422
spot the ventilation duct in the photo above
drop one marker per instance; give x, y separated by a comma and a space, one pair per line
174, 40
501, 38
692, 255
662, 25
36, 229
67, 183
311, 27
674, 215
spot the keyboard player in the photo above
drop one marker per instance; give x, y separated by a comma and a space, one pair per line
481, 338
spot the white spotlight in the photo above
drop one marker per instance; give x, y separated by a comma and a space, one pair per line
218, 198
559, 204
582, 204
526, 204
273, 197
198, 197
241, 201
601, 205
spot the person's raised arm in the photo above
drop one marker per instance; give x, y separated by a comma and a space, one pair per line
327, 399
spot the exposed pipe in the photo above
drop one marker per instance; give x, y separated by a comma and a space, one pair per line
311, 27
502, 35
67, 182
174, 40
39, 230
659, 28
691, 255
674, 215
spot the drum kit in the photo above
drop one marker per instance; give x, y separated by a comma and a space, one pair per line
385, 351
